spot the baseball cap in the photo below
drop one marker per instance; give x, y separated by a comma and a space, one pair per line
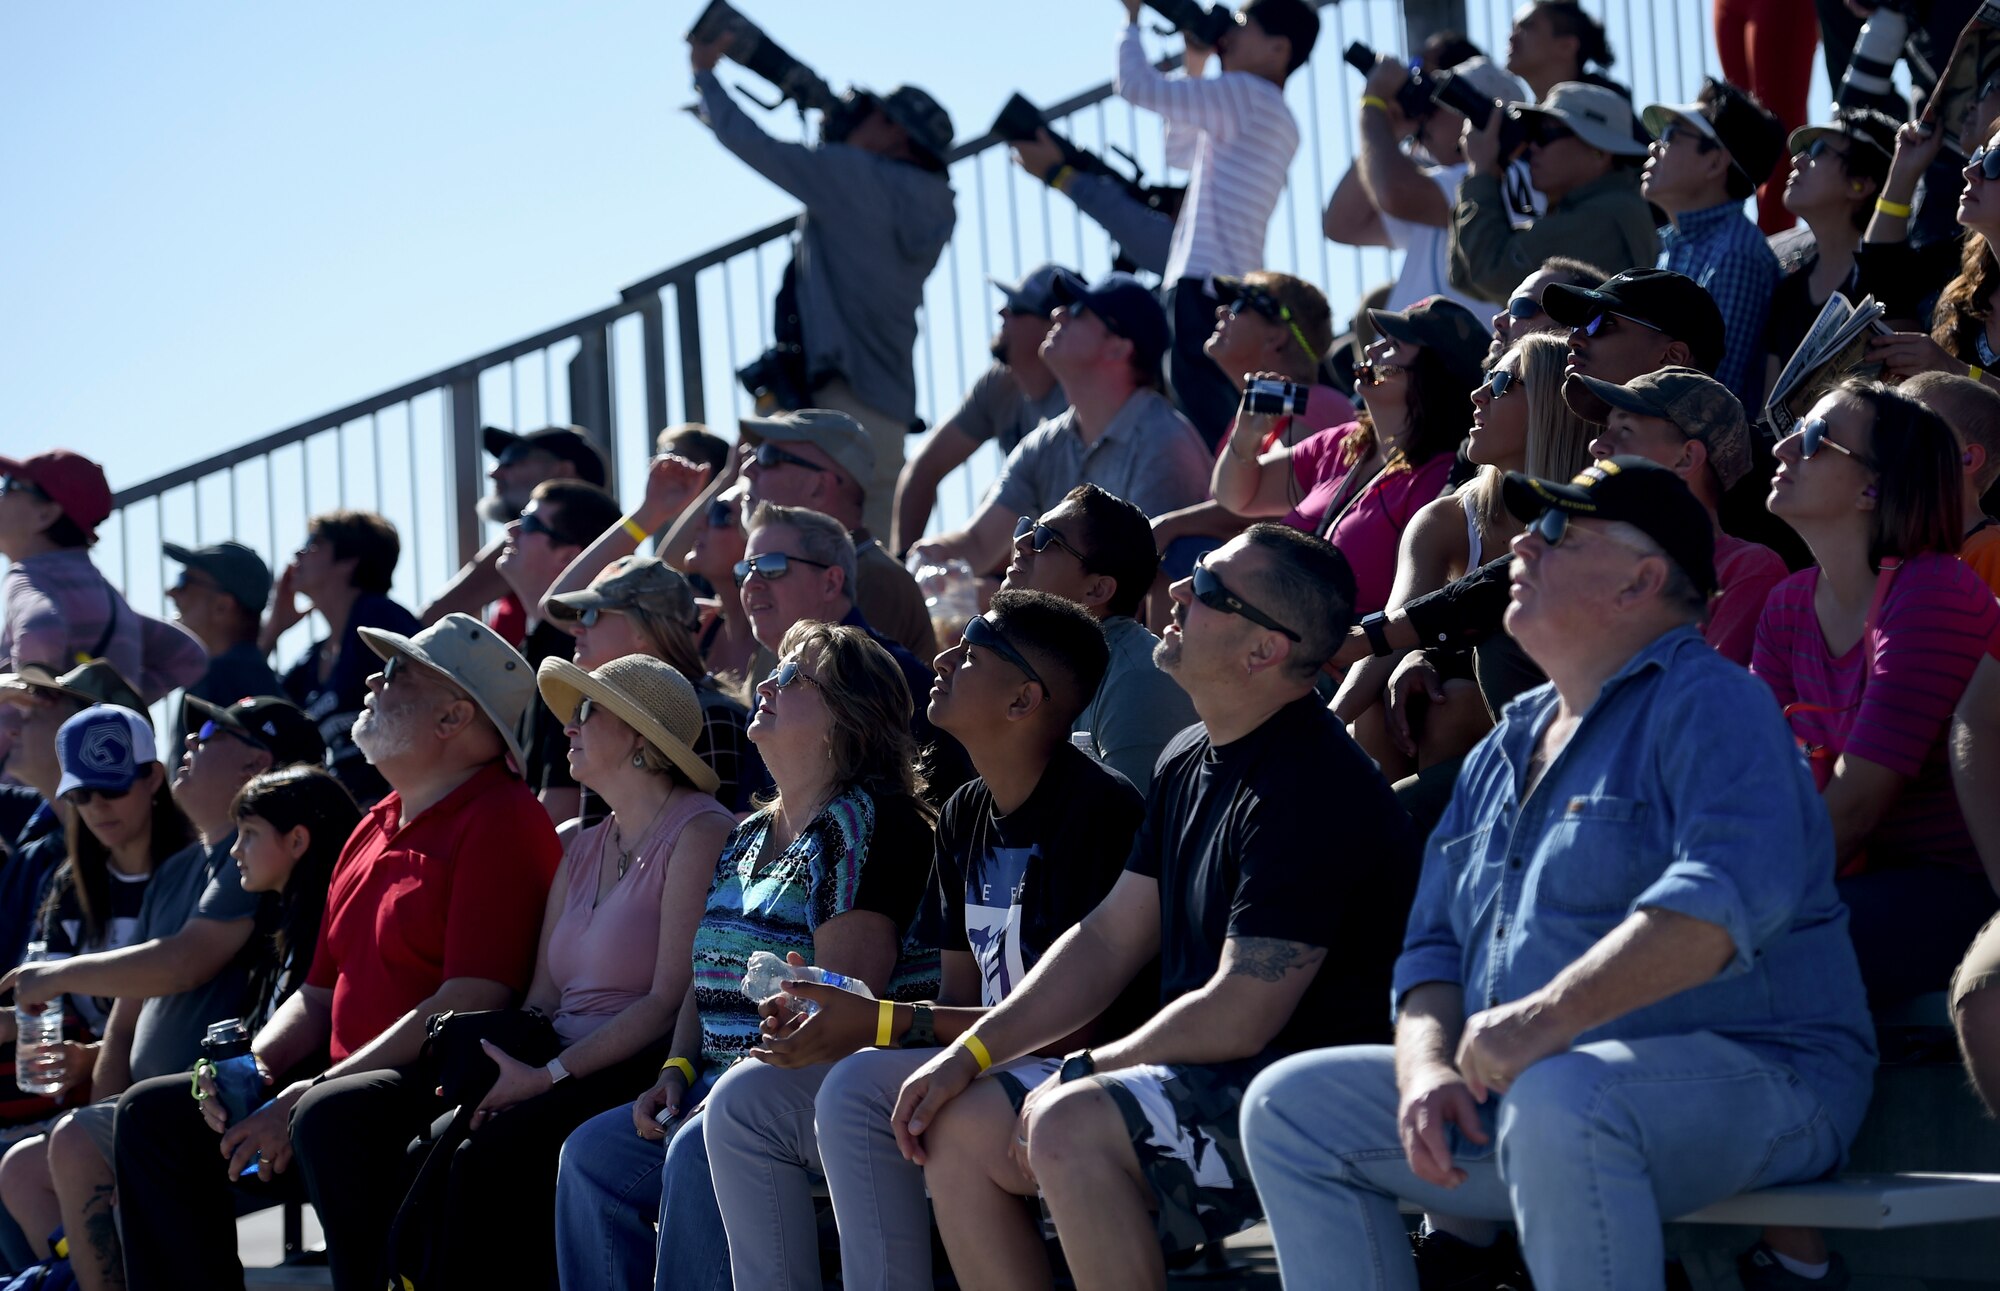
1725, 115
238, 570
928, 125
103, 748
1642, 493
1034, 294
70, 480
96, 681
1440, 324
567, 443
1600, 117
1698, 405
836, 434
1490, 79
1125, 306
1862, 128
640, 582
1661, 298
273, 722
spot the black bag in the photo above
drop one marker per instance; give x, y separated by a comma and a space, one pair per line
453, 1061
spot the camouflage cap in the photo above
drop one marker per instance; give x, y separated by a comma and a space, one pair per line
1698, 405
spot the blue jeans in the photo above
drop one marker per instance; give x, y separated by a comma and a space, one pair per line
609, 1187
1590, 1150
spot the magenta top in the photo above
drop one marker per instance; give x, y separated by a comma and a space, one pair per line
1371, 531
603, 958
1891, 704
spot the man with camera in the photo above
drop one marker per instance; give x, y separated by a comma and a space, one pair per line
879, 212
1393, 198
1237, 138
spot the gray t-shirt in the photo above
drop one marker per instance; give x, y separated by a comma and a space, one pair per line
193, 883
1137, 708
996, 409
1149, 455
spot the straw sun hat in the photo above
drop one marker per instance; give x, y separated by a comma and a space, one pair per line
646, 694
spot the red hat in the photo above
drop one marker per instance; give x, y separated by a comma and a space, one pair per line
70, 480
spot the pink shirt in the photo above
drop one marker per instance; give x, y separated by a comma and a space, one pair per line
1745, 573
602, 958
1372, 529
1891, 705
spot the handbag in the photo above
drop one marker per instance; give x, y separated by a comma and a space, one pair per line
452, 1060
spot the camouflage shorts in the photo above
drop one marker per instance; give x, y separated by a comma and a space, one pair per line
1183, 1126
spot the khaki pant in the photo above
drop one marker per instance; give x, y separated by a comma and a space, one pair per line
886, 433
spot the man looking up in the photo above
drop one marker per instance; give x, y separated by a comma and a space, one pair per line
1640, 320
220, 597
1011, 398
878, 212
1236, 138
1120, 433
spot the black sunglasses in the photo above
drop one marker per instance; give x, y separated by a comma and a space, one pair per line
980, 633
15, 484
1598, 321
1262, 302
591, 617
530, 522
1675, 133
721, 514
1208, 589
584, 708
1551, 526
211, 728
788, 672
772, 566
770, 457
1039, 537
1523, 308
1813, 437
1820, 147
84, 797
1550, 133
1499, 382
391, 666
1986, 161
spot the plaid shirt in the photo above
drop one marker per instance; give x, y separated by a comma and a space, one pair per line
1723, 251
725, 745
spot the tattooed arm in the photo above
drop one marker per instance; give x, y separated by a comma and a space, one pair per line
1234, 1015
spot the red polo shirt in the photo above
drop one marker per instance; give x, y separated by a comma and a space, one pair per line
457, 893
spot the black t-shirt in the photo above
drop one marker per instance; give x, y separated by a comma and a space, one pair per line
542, 739
18, 804
62, 927
1290, 833
1010, 885
334, 703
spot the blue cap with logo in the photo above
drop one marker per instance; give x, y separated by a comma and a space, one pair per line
1125, 307
103, 748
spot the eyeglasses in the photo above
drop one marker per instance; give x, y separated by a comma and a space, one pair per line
1673, 134
981, 634
531, 522
788, 672
1039, 537
1551, 526
84, 797
1523, 308
15, 484
1986, 161
1208, 589
1499, 382
1596, 325
772, 566
1813, 437
1264, 303
770, 457
721, 514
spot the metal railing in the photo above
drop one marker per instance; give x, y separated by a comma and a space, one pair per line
668, 349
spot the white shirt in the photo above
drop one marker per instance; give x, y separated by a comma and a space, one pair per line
1426, 248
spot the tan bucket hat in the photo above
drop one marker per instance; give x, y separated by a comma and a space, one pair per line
646, 694
465, 653
95, 682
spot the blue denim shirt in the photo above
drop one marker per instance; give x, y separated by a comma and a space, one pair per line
1680, 790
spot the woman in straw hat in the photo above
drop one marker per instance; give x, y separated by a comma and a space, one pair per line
614, 962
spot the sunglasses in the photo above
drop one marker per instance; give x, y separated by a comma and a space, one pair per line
1081, 310
210, 729
1598, 323
1820, 147
1813, 437
981, 634
584, 708
721, 514
189, 581
1039, 537
530, 522
770, 457
788, 672
1548, 134
1523, 308
1675, 133
1208, 589
15, 484
1499, 382
591, 617
1986, 161
84, 797
1551, 526
1264, 303
772, 566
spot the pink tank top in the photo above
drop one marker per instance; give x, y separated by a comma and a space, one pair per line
603, 958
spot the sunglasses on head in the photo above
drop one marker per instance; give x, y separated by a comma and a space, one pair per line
530, 522
772, 566
1499, 382
1600, 322
770, 457
721, 514
786, 673
1986, 161
1264, 303
1039, 537
1813, 437
84, 797
1208, 589
1523, 308
982, 635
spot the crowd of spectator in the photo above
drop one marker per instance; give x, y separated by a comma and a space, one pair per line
1496, 764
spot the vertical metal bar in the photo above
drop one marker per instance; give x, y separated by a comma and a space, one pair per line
270, 511
416, 509
340, 462
1320, 191
513, 394
233, 522
464, 403
653, 349
548, 387
375, 458
687, 320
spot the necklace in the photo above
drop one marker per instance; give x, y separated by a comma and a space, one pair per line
625, 854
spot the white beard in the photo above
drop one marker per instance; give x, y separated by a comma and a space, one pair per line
381, 741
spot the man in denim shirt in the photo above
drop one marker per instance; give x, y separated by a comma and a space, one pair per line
1626, 989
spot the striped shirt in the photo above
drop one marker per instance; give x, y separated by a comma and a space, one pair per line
1891, 704
1236, 138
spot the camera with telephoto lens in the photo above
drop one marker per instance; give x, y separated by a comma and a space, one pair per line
1268, 398
1413, 98
1877, 49
1020, 121
761, 56
1202, 26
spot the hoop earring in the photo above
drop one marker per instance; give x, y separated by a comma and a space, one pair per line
639, 760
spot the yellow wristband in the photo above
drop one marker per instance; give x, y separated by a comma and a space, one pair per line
885, 1020
1901, 210
633, 527
1061, 177
1974, 371
977, 1048
686, 1069
1374, 101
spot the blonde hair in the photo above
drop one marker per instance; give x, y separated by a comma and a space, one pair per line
1558, 441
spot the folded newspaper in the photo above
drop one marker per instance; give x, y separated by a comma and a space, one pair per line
1835, 348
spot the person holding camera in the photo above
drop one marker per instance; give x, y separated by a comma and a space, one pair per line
1393, 196
879, 211
1583, 159
1237, 139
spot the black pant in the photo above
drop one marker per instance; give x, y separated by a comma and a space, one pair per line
352, 1138
176, 1211
1202, 391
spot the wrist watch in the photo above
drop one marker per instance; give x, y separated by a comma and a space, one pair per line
1378, 637
557, 1072
1076, 1066
923, 1028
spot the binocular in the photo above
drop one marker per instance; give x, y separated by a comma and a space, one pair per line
1423, 94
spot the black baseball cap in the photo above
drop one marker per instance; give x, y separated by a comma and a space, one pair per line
569, 443
273, 723
1441, 324
1034, 294
1125, 306
1661, 298
235, 568
1642, 493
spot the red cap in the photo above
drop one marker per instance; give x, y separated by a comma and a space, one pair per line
71, 481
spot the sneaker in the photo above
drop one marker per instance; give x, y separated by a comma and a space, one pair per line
1447, 1263
1760, 1270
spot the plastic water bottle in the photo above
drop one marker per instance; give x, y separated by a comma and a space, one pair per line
951, 594
765, 971
39, 1061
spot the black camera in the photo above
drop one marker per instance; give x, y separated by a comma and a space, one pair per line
1202, 26
758, 54
1877, 49
1020, 121
1269, 398
1414, 98
1457, 93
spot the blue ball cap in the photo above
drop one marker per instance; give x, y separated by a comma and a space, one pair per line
103, 748
1125, 306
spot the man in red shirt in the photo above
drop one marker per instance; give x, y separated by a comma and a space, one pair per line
434, 905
